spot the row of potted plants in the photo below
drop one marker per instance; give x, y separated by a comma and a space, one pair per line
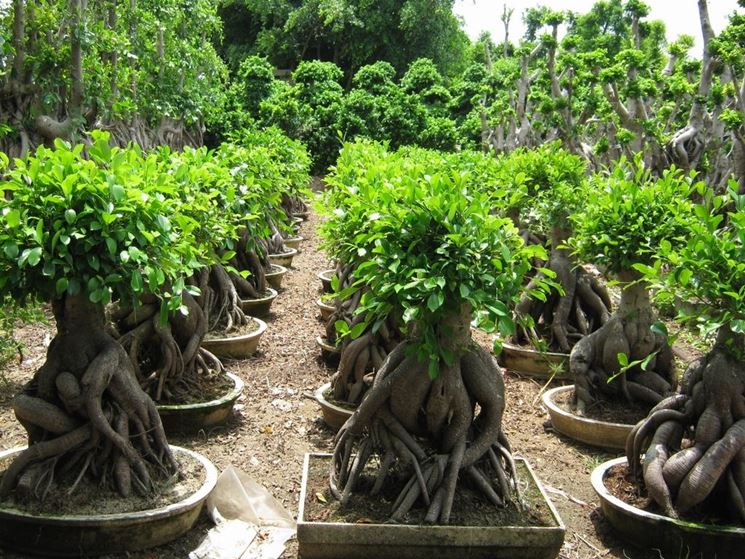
143, 257
665, 235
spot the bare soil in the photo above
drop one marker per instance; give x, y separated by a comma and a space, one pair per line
277, 420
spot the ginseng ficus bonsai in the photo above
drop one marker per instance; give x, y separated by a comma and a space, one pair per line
429, 250
80, 231
622, 226
690, 450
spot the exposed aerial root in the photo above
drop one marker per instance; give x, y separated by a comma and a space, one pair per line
693, 444
453, 436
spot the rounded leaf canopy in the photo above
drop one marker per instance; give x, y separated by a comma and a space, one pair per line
421, 237
708, 269
630, 215
100, 225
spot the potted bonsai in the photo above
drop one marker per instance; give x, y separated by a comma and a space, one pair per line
430, 250
687, 453
627, 364
80, 232
554, 183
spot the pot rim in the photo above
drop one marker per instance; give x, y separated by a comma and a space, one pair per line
290, 252
597, 478
321, 399
272, 295
143, 516
282, 270
232, 394
244, 337
548, 401
321, 341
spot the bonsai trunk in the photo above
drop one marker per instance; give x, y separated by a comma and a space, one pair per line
564, 318
594, 359
432, 429
86, 414
693, 443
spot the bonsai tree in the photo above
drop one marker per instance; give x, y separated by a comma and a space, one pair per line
690, 447
430, 250
361, 168
579, 304
621, 227
80, 232
166, 355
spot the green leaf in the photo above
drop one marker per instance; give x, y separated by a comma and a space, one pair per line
659, 328
10, 249
34, 256
433, 370
136, 282
684, 276
70, 216
358, 330
13, 218
434, 301
61, 286
623, 359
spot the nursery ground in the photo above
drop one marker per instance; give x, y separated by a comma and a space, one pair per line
276, 421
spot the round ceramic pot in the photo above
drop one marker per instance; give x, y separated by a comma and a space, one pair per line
71, 535
284, 259
259, 307
334, 416
236, 347
329, 353
275, 275
190, 418
602, 434
533, 363
325, 276
673, 537
294, 242
326, 309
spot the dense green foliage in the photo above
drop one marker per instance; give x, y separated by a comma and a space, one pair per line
101, 225
708, 269
350, 33
422, 239
630, 215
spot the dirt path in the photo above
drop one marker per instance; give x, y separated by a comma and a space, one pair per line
277, 421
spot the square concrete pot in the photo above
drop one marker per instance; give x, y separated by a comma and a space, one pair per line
336, 540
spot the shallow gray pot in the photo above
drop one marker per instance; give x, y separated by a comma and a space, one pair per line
190, 418
294, 242
334, 416
674, 538
275, 275
259, 307
79, 535
326, 309
329, 540
533, 363
330, 354
325, 276
237, 347
284, 259
601, 434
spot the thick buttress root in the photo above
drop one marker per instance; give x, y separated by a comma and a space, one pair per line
362, 357
86, 414
693, 443
563, 318
594, 359
431, 432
